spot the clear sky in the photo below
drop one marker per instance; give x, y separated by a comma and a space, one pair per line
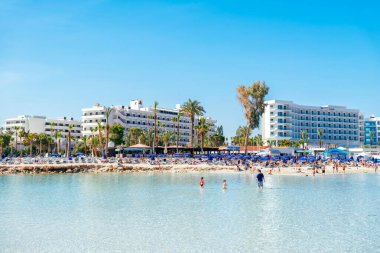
57, 57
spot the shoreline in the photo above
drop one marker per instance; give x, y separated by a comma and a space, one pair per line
91, 168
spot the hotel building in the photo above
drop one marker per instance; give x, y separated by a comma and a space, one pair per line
372, 131
40, 124
137, 116
285, 120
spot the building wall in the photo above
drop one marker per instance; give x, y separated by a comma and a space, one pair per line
62, 126
137, 116
39, 124
340, 126
33, 124
372, 125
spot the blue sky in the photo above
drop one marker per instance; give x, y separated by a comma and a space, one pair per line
59, 56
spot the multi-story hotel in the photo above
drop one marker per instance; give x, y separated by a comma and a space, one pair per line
137, 116
372, 131
62, 125
285, 120
40, 124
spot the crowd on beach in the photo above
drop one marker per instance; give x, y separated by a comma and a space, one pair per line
269, 165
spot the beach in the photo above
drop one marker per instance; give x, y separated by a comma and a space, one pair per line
170, 168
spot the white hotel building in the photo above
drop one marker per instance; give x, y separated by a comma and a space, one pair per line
284, 120
40, 124
137, 116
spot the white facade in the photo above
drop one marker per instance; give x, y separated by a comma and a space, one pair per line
137, 116
62, 125
39, 124
284, 120
32, 124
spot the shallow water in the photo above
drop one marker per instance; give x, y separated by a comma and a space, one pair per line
169, 213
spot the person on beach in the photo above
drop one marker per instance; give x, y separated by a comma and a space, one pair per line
323, 170
202, 182
375, 167
314, 170
344, 168
224, 186
260, 180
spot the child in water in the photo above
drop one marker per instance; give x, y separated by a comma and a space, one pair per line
202, 182
224, 187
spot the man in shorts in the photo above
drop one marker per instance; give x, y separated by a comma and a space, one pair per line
260, 180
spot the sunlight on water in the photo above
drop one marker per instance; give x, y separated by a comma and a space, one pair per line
169, 213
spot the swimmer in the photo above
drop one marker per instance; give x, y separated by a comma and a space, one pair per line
224, 187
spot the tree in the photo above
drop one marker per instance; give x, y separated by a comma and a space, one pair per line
239, 137
320, 137
84, 140
304, 138
192, 108
178, 120
54, 132
155, 138
252, 99
22, 134
41, 139
203, 128
166, 137
258, 140
100, 129
135, 136
117, 134
31, 138
1, 146
284, 143
218, 138
16, 129
371, 138
68, 144
107, 112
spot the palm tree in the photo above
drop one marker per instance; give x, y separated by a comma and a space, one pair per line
58, 137
203, 128
320, 137
149, 130
21, 134
16, 129
49, 141
41, 138
68, 144
192, 108
178, 119
166, 137
1, 146
31, 137
92, 142
155, 141
54, 132
100, 128
372, 137
304, 138
252, 99
85, 139
107, 112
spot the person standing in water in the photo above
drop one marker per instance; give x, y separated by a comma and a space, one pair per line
224, 187
260, 180
202, 182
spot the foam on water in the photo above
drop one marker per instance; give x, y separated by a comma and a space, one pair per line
169, 213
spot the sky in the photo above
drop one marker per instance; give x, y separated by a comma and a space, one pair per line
57, 57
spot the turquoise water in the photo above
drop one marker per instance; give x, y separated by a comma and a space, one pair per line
169, 213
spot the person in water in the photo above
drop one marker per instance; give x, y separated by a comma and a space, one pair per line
202, 182
260, 180
224, 187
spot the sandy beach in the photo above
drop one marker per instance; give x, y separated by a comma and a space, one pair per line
170, 168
